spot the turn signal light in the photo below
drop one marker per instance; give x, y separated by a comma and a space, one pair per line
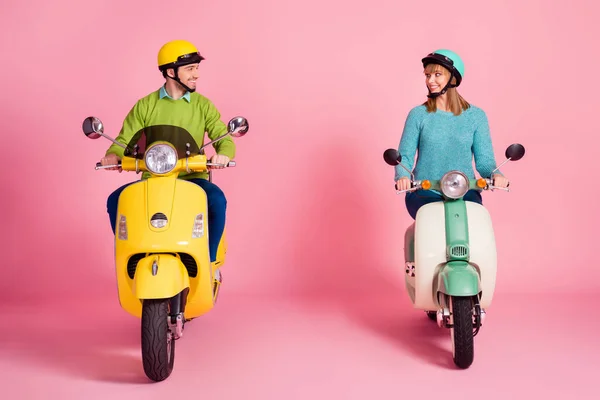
426, 184
481, 183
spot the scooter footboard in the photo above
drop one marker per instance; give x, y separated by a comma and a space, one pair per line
160, 276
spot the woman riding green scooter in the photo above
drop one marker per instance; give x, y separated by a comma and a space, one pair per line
447, 131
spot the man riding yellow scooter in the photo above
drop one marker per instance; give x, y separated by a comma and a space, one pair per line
168, 248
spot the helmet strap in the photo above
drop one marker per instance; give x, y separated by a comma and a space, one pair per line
176, 79
444, 90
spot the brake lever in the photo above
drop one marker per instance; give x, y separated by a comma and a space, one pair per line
229, 164
492, 188
100, 166
412, 189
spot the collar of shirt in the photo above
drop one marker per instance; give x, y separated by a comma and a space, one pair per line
163, 93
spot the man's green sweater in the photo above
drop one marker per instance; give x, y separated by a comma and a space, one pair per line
193, 112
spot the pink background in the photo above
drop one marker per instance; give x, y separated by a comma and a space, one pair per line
315, 228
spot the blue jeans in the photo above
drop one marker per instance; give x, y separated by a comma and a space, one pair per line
217, 205
418, 198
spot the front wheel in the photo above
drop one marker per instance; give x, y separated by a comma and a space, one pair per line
158, 347
461, 331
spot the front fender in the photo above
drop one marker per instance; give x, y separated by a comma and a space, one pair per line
458, 278
170, 277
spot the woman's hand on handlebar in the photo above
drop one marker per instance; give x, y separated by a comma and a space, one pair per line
403, 184
500, 181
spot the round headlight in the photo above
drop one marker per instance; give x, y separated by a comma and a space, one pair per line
454, 184
161, 158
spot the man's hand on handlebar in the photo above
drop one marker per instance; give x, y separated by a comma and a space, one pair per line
111, 159
219, 159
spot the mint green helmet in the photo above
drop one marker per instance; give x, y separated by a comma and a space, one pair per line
449, 60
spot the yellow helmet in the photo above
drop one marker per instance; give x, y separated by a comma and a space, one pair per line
177, 53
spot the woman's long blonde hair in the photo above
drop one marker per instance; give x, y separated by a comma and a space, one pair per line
456, 103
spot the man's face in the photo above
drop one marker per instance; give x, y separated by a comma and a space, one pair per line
188, 74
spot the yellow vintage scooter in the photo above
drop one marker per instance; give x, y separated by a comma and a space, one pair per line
163, 268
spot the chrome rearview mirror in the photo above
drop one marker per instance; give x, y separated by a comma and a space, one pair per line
94, 128
238, 126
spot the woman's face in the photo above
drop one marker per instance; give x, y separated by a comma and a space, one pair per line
436, 77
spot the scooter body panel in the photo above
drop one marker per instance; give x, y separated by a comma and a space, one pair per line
440, 263
482, 250
429, 254
457, 278
181, 202
160, 276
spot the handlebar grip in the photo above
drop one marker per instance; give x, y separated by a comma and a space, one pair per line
231, 164
98, 164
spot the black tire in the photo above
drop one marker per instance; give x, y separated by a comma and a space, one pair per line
432, 315
462, 329
158, 352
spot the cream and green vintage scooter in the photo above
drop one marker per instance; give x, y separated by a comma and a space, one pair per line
450, 255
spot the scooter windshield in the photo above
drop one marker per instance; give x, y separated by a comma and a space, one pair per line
180, 138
